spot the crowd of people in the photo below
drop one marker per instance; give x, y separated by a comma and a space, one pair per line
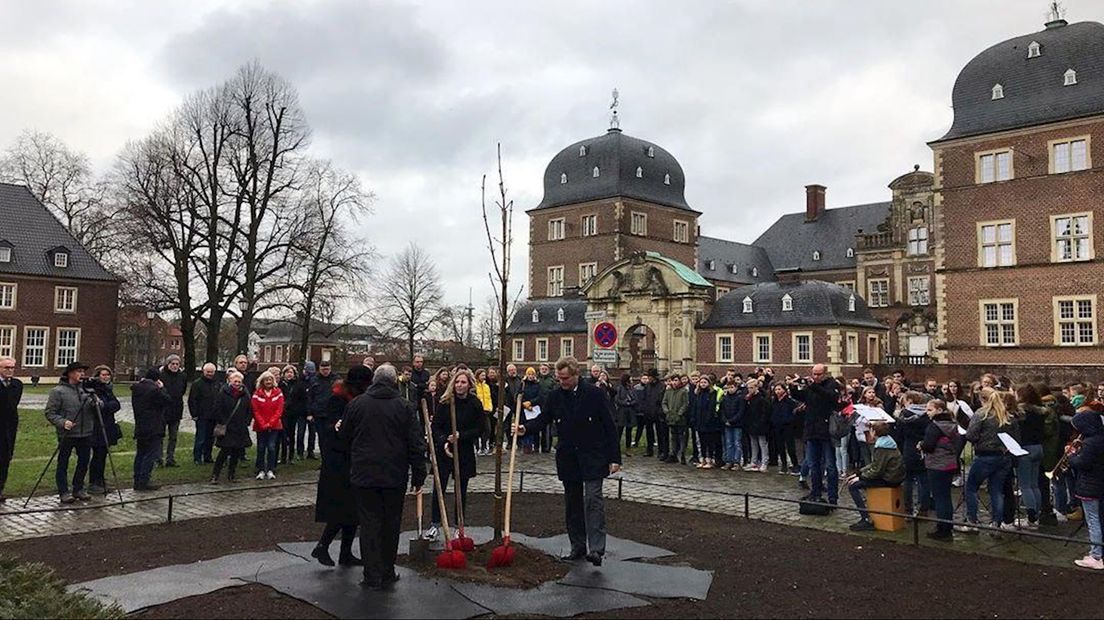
1037, 450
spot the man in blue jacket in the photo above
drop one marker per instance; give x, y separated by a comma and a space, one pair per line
586, 455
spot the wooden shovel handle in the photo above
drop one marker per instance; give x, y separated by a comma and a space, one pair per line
436, 475
510, 476
456, 466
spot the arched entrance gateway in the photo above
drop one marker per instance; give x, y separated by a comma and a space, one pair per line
655, 303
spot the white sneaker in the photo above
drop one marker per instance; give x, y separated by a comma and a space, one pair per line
261, 476
1008, 527
763, 468
1062, 518
1090, 562
957, 482
271, 475
751, 467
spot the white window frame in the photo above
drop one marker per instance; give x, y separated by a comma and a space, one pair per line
722, 291
787, 303
816, 254
1076, 320
567, 347
757, 351
44, 347
5, 255
588, 225
556, 228
852, 344
555, 280
1069, 78
749, 305
60, 297
518, 349
1062, 154
638, 223
987, 166
722, 340
268, 353
7, 344
61, 260
542, 356
582, 151
596, 172
797, 358
1000, 322
997, 243
681, 226
914, 293
1086, 236
851, 303
563, 178
560, 315
847, 284
1034, 50
278, 350
917, 241
59, 361
14, 296
997, 92
584, 270
881, 299
873, 350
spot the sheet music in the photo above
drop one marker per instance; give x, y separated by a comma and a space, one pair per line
873, 414
1013, 446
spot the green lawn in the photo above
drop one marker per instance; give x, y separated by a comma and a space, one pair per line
43, 388
37, 440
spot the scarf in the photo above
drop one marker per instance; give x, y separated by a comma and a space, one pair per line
885, 442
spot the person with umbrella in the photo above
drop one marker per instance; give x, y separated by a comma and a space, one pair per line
587, 453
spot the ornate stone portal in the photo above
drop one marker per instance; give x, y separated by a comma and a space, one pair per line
655, 303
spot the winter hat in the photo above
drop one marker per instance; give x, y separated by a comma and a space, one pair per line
309, 367
172, 358
653, 373
359, 377
153, 374
1077, 401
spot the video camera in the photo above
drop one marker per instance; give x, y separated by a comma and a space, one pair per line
90, 384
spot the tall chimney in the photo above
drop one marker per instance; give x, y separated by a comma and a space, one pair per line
814, 202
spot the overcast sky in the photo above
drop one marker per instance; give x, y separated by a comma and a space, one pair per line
756, 99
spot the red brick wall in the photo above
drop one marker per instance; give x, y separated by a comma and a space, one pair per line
555, 350
96, 316
1030, 198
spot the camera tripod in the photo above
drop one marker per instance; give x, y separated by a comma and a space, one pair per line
65, 436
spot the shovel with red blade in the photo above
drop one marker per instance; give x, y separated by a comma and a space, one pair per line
452, 557
462, 542
503, 555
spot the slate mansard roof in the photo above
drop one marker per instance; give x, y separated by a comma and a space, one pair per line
790, 242
548, 317
815, 303
617, 157
1033, 88
733, 261
33, 233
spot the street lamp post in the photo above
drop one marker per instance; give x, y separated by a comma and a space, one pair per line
150, 316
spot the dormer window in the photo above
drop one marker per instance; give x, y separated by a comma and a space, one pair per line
749, 306
563, 179
595, 172
5, 254
755, 272
667, 179
735, 269
1033, 50
582, 151
651, 151
639, 172
536, 316
61, 260
1070, 78
850, 252
787, 303
560, 315
851, 303
816, 254
998, 91
711, 265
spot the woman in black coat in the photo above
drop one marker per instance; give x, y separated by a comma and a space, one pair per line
469, 427
625, 410
334, 505
295, 413
233, 410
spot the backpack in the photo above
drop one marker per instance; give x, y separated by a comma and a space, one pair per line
838, 426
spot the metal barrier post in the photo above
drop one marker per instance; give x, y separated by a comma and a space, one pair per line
521, 484
171, 497
747, 507
620, 485
915, 531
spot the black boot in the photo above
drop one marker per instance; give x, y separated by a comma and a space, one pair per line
346, 558
322, 554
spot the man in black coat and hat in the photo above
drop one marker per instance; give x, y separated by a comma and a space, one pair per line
11, 392
387, 452
151, 402
586, 455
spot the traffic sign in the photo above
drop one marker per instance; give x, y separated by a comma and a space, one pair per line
605, 356
605, 334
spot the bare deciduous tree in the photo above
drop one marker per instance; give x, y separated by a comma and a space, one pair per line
409, 293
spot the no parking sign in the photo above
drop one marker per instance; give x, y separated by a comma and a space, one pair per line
605, 334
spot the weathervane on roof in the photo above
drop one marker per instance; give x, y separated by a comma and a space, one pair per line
1057, 11
615, 123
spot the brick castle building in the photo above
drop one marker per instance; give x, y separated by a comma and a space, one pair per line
990, 261
57, 303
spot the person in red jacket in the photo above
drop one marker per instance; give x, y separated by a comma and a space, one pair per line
268, 411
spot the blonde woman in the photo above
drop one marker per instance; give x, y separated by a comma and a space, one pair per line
469, 427
992, 462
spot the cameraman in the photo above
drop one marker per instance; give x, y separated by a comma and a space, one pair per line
70, 407
820, 393
106, 435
